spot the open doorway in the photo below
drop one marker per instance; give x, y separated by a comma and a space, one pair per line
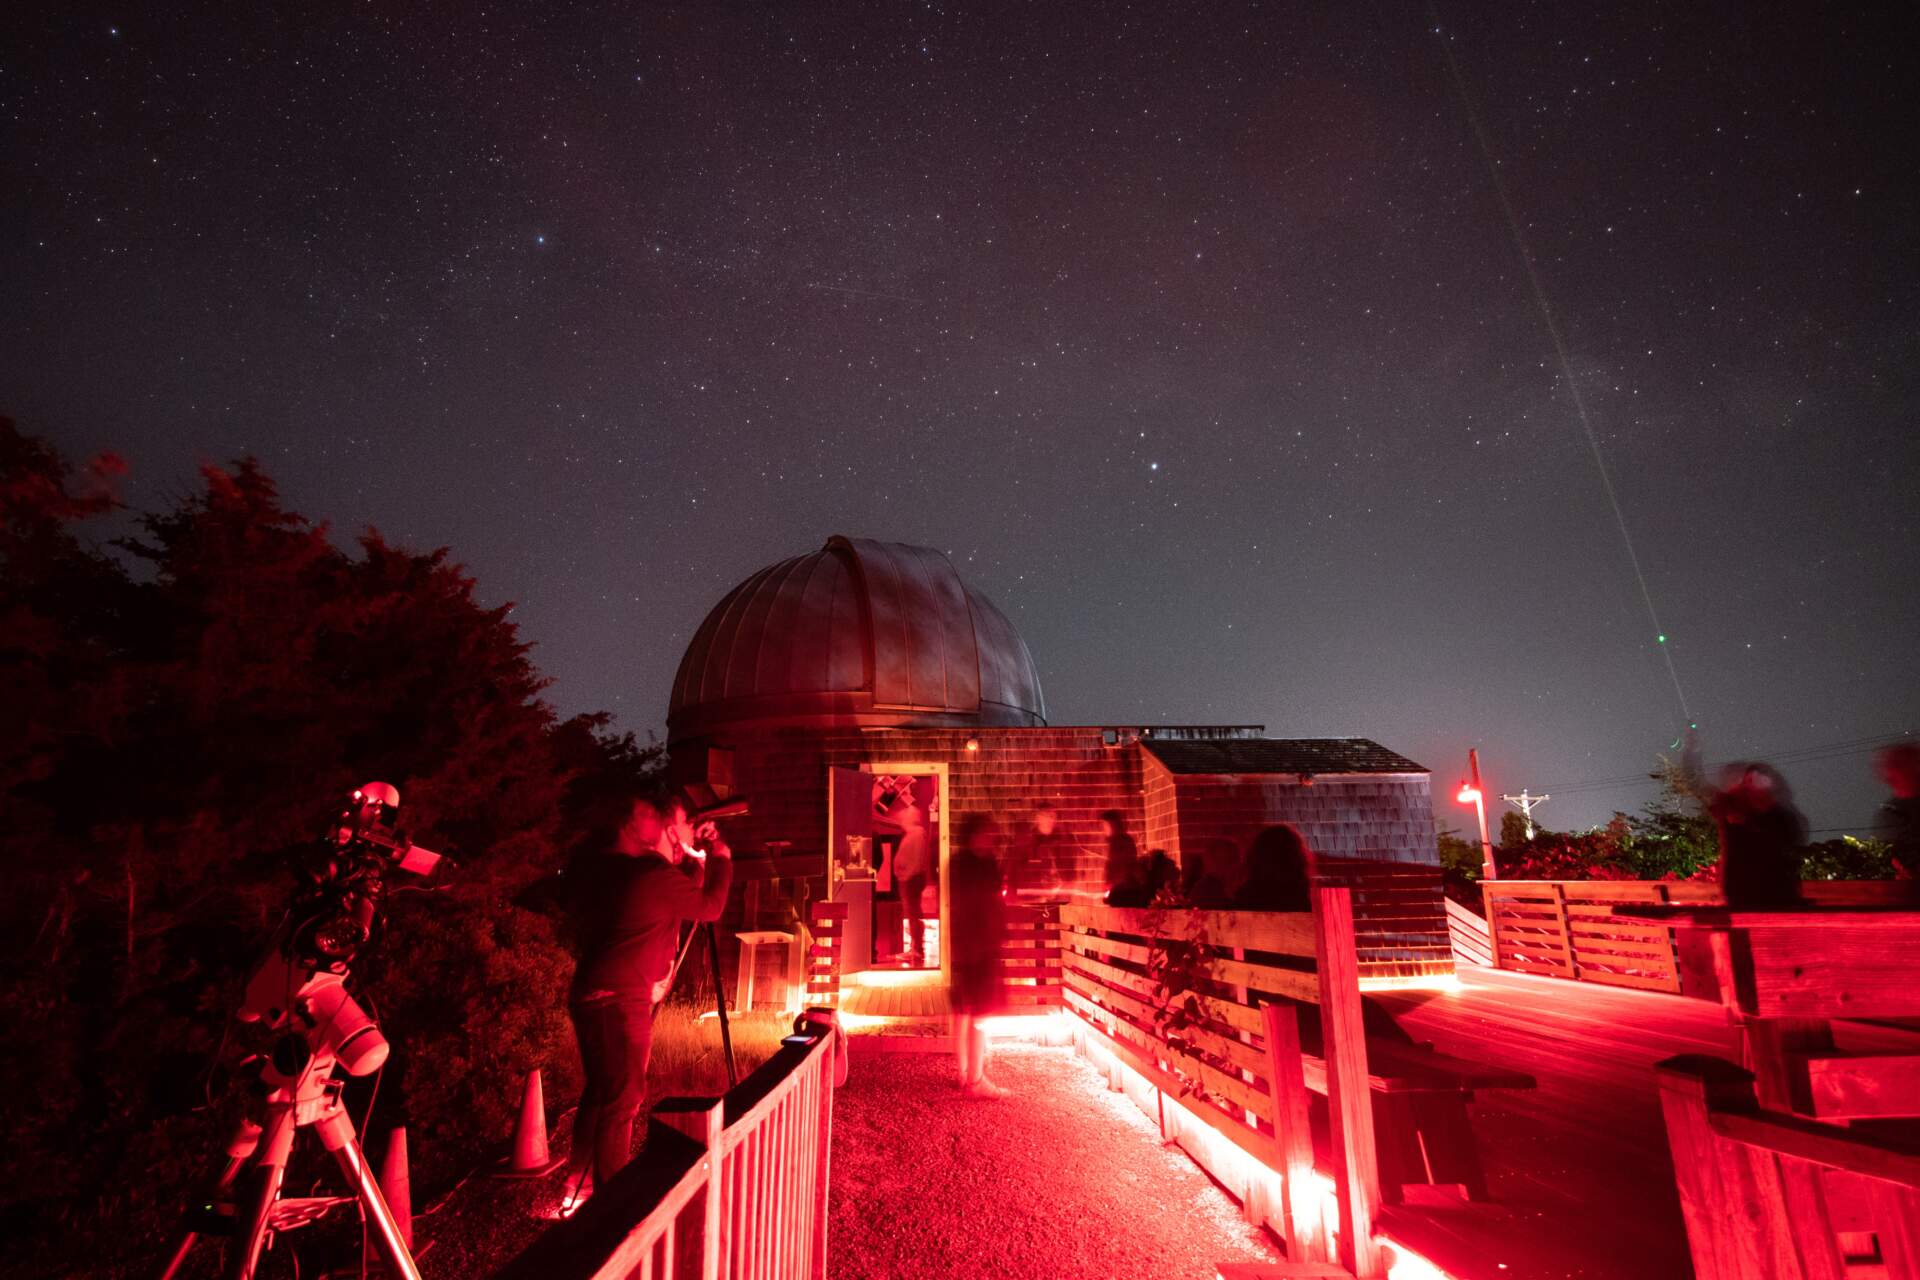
887, 844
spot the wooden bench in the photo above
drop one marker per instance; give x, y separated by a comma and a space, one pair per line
1282, 1003
1810, 1182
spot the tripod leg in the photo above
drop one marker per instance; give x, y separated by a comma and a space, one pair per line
336, 1134
720, 1001
276, 1148
245, 1140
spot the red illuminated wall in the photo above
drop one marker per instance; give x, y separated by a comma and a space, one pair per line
1370, 832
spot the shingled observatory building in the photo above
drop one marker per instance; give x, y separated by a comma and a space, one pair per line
836, 689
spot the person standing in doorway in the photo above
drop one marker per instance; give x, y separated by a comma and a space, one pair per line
912, 869
628, 902
977, 915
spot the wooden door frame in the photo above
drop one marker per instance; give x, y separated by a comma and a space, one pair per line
937, 769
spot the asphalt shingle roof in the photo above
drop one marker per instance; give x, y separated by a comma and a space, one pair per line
1279, 755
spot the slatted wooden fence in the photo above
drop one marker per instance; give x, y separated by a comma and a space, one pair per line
1030, 958
1468, 934
732, 1187
1568, 929
1232, 1089
827, 922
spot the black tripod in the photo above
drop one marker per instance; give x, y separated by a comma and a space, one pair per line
719, 994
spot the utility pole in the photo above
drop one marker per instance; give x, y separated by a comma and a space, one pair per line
1472, 793
1525, 804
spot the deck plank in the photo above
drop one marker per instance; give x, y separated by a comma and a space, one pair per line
1581, 1178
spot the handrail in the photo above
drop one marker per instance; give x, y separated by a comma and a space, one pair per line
750, 1202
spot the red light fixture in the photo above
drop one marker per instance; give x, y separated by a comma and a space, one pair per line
1467, 794
973, 744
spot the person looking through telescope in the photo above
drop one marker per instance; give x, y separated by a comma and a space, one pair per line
627, 902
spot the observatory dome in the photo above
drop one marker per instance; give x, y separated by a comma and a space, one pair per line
858, 633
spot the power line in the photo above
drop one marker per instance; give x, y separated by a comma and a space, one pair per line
1566, 360
1790, 755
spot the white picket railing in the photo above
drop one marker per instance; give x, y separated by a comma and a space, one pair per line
745, 1199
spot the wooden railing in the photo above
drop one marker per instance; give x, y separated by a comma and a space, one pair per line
1231, 1086
1567, 928
1772, 1195
1803, 1167
730, 1187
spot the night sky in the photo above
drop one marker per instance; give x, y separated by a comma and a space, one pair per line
1199, 338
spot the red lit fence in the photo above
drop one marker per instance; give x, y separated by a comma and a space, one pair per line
1030, 959
730, 1187
1229, 1082
1567, 929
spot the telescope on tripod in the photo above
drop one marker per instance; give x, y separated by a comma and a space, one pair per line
299, 990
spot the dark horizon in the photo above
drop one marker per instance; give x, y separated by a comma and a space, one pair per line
1200, 341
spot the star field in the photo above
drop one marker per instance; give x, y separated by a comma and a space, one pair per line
1197, 336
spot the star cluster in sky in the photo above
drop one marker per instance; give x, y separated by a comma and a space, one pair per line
1196, 335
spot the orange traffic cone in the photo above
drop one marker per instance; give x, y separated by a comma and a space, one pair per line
530, 1158
396, 1183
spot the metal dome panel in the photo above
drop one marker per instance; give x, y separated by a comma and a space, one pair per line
858, 632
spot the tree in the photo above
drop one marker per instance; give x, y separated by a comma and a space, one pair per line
1513, 831
196, 706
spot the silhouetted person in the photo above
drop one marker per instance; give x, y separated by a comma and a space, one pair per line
1150, 875
1037, 865
1123, 855
1899, 819
912, 868
1213, 875
1277, 873
628, 903
977, 917
1761, 837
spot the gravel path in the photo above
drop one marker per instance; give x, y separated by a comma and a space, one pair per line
1061, 1180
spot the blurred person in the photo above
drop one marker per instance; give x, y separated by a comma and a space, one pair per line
1279, 874
1038, 864
1761, 837
1123, 855
912, 869
628, 901
1213, 875
1899, 818
977, 918
1150, 875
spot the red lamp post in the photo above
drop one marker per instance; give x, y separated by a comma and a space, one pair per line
1471, 793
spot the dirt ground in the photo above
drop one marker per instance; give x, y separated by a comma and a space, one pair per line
1063, 1179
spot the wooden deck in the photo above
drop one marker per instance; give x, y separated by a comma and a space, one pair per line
1579, 1170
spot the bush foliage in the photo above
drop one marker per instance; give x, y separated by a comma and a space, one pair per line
190, 705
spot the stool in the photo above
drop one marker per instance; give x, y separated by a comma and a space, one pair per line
751, 944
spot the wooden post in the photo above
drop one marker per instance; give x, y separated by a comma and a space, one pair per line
1293, 1137
708, 1127
1493, 926
1566, 930
1356, 1173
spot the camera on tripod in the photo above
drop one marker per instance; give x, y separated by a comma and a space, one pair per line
344, 877
299, 990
